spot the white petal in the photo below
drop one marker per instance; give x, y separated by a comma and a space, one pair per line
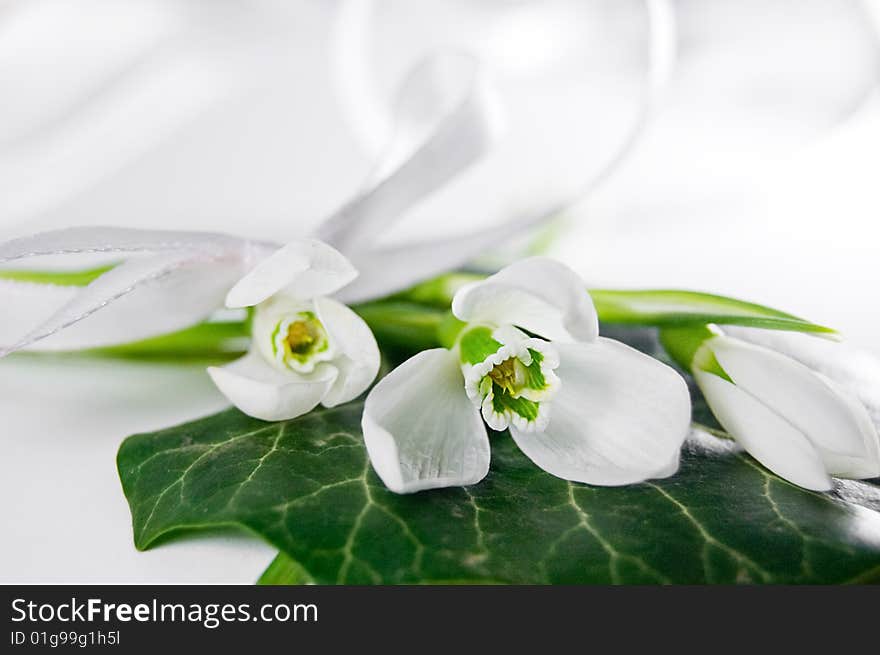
420, 428
264, 392
670, 469
537, 294
794, 392
855, 468
81, 240
619, 417
855, 369
303, 269
357, 352
767, 436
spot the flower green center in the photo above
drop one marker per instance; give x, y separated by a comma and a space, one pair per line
505, 375
508, 381
300, 341
302, 336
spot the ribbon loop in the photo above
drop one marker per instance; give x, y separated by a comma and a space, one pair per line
447, 118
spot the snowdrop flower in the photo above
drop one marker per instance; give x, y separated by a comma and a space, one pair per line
855, 369
581, 407
306, 348
793, 417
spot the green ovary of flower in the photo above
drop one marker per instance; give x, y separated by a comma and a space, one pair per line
509, 376
300, 341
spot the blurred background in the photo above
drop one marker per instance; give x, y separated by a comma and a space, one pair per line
751, 170
723, 145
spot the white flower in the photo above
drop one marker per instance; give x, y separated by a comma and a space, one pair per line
792, 417
170, 280
581, 407
306, 348
855, 369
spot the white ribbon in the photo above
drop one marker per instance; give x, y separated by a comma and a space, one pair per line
388, 269
447, 118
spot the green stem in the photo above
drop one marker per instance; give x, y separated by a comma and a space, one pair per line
206, 341
684, 345
675, 307
419, 318
650, 307
284, 571
439, 291
58, 278
400, 324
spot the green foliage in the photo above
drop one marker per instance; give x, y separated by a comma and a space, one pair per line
306, 487
58, 278
667, 307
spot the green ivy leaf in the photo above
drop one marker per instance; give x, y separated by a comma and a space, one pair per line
306, 487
